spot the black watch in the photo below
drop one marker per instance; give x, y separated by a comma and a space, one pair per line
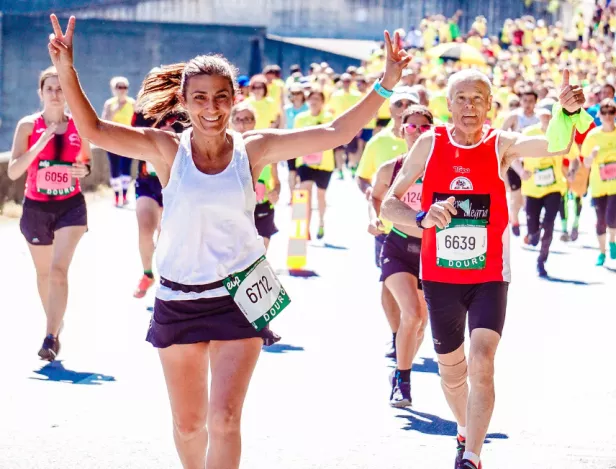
419, 218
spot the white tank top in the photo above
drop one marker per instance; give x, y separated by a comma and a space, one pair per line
207, 229
526, 121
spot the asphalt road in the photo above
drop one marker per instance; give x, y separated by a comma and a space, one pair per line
319, 398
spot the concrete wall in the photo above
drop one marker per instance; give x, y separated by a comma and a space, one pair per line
343, 19
285, 55
104, 49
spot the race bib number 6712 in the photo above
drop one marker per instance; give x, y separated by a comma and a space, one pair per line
258, 293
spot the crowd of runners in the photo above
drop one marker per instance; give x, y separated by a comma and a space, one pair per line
446, 156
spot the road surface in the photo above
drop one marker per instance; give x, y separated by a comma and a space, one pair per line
319, 398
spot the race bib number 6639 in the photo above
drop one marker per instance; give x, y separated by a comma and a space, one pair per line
462, 245
258, 293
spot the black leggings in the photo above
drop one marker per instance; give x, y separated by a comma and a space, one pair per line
551, 203
606, 213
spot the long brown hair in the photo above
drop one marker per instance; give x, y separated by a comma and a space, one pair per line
161, 89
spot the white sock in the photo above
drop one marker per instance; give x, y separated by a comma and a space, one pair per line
116, 185
462, 431
471, 457
125, 180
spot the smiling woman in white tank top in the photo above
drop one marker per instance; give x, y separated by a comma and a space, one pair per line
204, 317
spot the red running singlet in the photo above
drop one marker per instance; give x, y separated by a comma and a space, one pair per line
474, 248
48, 178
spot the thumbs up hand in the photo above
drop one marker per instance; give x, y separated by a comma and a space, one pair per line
571, 97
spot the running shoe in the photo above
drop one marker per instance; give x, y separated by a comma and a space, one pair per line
612, 250
50, 349
144, 285
533, 239
565, 237
601, 259
467, 464
515, 229
541, 269
401, 395
574, 233
321, 232
460, 450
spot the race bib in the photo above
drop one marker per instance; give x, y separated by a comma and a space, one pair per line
149, 167
313, 159
545, 177
607, 171
258, 293
54, 178
462, 245
260, 190
412, 198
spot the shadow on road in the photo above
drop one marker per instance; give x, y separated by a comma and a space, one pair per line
297, 273
536, 249
432, 425
55, 371
570, 281
332, 246
282, 348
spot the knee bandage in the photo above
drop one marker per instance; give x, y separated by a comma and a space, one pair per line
454, 378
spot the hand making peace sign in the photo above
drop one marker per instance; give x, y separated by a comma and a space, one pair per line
61, 44
396, 61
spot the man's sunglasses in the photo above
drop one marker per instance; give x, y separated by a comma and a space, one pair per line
121, 87
410, 128
608, 111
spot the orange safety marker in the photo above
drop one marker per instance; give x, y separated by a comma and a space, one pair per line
298, 240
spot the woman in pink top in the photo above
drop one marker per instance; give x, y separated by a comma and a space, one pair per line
49, 150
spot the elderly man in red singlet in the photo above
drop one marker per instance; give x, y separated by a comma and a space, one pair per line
465, 248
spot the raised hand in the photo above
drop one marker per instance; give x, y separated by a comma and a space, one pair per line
440, 214
78, 170
46, 136
61, 44
571, 97
396, 61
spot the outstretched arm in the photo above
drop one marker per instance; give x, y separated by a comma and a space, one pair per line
413, 167
513, 145
274, 145
140, 143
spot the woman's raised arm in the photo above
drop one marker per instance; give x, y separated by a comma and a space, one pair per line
140, 143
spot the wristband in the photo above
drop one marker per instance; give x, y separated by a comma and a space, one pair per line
385, 93
420, 218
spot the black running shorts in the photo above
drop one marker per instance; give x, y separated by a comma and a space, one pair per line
448, 305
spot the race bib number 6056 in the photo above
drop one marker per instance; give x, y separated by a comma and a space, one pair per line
258, 293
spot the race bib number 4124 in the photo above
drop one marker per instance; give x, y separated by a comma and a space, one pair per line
258, 293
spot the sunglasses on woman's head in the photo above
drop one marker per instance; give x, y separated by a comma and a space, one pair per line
413, 127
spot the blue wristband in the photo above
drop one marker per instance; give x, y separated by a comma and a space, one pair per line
382, 91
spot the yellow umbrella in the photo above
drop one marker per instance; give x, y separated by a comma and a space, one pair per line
460, 51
